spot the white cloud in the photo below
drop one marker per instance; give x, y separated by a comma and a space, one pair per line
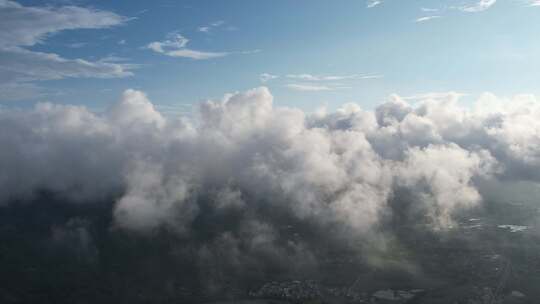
176, 46
373, 3
24, 26
29, 25
308, 87
480, 6
327, 78
472, 6
197, 55
339, 167
309, 77
317, 82
248, 52
23, 65
346, 174
217, 23
426, 18
436, 96
534, 2
371, 76
265, 77
324, 82
210, 27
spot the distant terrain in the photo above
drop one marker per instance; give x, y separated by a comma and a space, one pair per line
52, 252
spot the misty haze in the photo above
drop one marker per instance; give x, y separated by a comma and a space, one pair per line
270, 152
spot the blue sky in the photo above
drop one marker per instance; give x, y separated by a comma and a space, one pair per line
309, 53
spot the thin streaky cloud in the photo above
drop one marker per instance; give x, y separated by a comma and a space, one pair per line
327, 78
248, 52
309, 77
210, 27
310, 87
371, 77
217, 23
42, 22
373, 3
33, 25
480, 6
436, 96
426, 18
265, 77
176, 46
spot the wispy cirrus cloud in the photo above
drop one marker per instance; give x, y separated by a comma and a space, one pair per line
312, 87
479, 6
176, 46
429, 10
373, 3
427, 18
451, 95
22, 65
265, 77
470, 6
30, 25
208, 28
309, 77
26, 26
308, 87
474, 6
315, 83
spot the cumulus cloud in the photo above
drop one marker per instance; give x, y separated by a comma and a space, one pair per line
446, 187
25, 26
232, 180
350, 143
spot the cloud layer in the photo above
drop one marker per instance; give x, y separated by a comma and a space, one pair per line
231, 181
318, 163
